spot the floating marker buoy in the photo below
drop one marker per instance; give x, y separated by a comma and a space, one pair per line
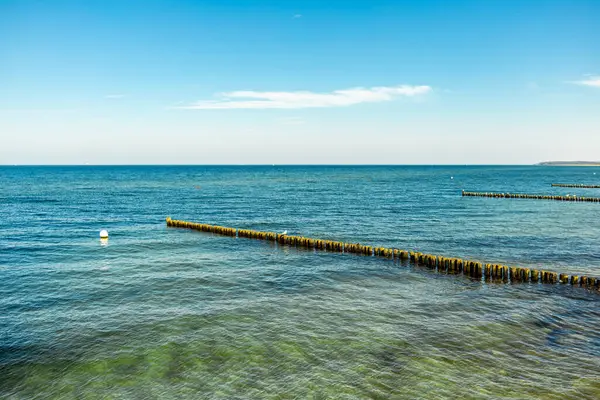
103, 234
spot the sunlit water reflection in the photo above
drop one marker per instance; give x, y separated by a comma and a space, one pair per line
168, 313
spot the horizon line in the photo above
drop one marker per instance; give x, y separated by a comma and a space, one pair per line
266, 165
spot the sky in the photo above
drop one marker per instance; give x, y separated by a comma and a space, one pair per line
299, 82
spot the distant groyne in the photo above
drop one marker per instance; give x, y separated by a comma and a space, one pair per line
531, 196
576, 185
457, 266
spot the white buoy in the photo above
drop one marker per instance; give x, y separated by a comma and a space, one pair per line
103, 234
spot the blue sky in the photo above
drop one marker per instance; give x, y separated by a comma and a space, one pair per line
241, 82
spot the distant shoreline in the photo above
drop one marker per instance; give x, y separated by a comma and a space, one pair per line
571, 163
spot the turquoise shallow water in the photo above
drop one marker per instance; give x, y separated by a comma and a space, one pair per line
168, 313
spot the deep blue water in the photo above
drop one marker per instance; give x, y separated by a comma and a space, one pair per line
167, 313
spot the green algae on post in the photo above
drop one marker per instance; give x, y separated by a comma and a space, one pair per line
473, 269
498, 195
576, 185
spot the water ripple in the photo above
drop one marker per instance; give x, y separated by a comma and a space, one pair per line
166, 313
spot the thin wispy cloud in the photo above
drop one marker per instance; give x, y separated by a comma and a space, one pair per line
296, 16
38, 110
114, 96
305, 99
291, 121
593, 81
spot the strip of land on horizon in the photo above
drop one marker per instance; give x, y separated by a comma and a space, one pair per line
571, 163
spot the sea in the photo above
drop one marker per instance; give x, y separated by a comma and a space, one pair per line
166, 313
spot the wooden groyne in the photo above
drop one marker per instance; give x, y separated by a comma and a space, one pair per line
531, 196
474, 269
576, 185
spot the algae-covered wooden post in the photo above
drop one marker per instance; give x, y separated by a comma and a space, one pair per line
474, 269
531, 196
563, 278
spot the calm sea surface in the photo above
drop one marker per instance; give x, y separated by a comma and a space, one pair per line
172, 314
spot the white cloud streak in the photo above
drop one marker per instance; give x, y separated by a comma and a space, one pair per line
38, 110
291, 121
592, 81
305, 99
